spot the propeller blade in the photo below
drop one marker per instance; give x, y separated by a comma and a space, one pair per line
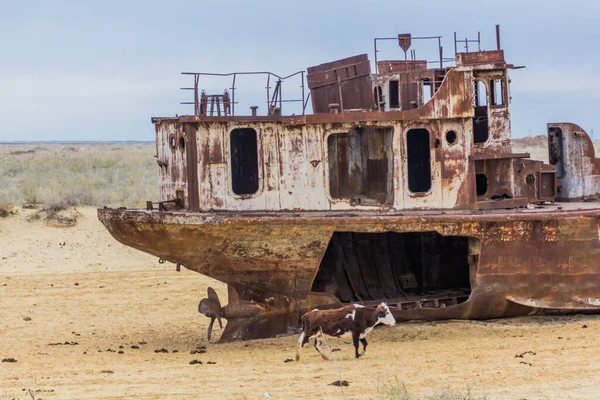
211, 307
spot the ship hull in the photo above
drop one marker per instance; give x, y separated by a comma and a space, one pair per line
519, 263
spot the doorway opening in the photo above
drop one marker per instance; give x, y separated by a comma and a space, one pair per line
480, 120
418, 160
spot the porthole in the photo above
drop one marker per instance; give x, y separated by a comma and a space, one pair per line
451, 137
172, 142
530, 179
182, 143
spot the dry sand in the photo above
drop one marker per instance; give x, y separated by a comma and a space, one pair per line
71, 297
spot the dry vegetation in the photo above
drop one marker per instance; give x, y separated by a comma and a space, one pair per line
122, 174
78, 174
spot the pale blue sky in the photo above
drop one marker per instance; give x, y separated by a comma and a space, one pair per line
98, 70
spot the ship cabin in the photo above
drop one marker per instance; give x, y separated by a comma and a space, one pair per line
413, 135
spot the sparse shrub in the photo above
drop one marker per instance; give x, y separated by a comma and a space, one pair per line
5, 209
91, 175
451, 395
58, 214
395, 389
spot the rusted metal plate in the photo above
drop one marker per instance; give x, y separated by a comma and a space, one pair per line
404, 41
385, 66
546, 257
480, 57
345, 82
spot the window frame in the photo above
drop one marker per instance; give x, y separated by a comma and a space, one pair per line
405, 163
259, 170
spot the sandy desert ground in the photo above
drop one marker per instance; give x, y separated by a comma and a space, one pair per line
84, 316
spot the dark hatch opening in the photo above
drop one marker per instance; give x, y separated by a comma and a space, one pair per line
409, 270
418, 160
244, 161
481, 129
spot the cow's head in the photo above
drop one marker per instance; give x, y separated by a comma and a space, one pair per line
384, 315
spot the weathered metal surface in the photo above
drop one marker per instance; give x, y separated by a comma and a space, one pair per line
572, 152
396, 188
480, 57
549, 259
385, 66
345, 82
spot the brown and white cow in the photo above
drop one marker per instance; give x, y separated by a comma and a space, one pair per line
353, 318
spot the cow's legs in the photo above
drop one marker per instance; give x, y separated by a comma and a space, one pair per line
318, 346
355, 339
364, 343
301, 342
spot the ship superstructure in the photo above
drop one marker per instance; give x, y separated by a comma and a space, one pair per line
401, 185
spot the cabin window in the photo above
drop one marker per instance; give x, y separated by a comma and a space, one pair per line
172, 142
244, 161
426, 90
182, 143
556, 151
480, 94
394, 95
360, 165
418, 160
497, 88
480, 120
378, 97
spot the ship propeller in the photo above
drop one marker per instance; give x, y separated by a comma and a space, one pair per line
211, 307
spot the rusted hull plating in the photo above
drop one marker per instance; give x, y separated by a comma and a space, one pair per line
519, 263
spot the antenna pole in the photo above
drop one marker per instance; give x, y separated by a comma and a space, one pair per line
498, 37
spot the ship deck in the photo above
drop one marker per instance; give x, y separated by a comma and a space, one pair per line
583, 208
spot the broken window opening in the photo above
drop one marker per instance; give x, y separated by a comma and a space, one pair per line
418, 160
182, 143
244, 161
497, 92
394, 97
481, 184
360, 165
408, 270
426, 91
480, 120
378, 97
555, 150
481, 99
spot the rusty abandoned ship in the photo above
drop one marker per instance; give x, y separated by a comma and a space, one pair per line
400, 186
